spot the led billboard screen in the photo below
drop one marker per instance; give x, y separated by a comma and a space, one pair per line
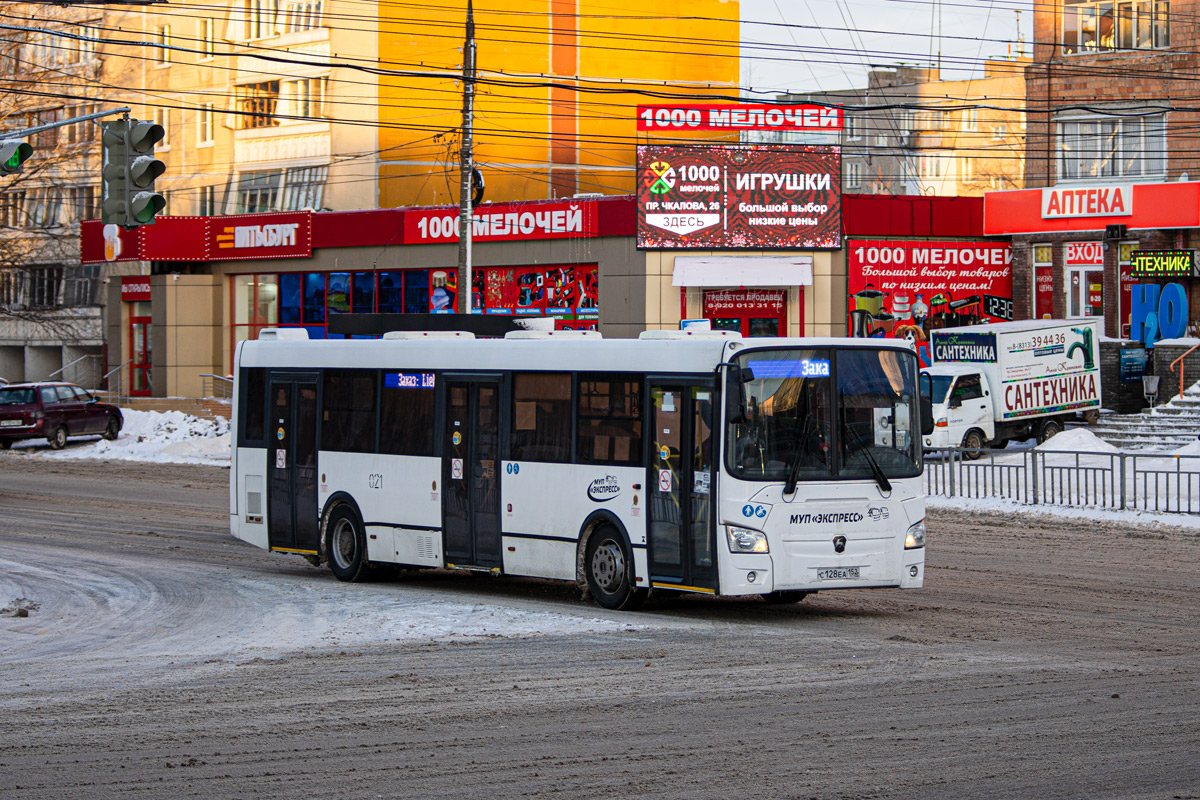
739, 197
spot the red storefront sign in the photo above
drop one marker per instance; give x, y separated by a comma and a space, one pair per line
135, 289
738, 117
1064, 208
759, 302
739, 196
502, 222
1084, 254
909, 288
226, 238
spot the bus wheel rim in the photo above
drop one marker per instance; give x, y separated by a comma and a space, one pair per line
344, 543
608, 566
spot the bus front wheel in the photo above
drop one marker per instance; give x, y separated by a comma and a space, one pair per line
610, 570
346, 545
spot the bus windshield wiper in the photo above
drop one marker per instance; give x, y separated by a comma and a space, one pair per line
793, 476
876, 471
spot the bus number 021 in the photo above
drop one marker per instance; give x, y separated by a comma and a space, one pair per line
375, 481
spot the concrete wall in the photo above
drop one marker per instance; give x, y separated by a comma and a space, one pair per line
1168, 385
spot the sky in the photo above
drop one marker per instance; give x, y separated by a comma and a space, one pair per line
842, 39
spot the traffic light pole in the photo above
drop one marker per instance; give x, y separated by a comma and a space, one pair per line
21, 134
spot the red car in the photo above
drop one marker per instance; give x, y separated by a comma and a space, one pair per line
54, 411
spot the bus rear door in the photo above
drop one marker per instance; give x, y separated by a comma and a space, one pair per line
292, 462
470, 471
681, 482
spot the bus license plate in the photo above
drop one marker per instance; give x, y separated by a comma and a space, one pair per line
837, 574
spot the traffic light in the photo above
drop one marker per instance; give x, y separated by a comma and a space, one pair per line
129, 171
13, 153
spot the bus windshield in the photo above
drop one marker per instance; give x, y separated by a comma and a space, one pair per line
824, 413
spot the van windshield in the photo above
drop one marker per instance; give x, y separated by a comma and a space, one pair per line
17, 397
824, 413
940, 387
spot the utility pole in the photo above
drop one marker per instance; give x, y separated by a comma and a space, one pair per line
466, 280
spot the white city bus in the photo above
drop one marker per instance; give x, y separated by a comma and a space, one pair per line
686, 462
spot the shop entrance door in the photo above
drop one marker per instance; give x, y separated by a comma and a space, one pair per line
681, 480
1085, 292
470, 471
140, 384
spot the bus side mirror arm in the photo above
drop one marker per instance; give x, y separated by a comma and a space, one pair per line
926, 416
735, 396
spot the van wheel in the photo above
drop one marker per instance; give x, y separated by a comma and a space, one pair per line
1050, 428
58, 439
973, 445
112, 430
346, 545
609, 567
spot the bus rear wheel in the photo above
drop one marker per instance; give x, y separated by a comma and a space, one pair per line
609, 569
346, 545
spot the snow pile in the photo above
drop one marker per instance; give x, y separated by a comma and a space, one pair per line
170, 437
1077, 440
1189, 449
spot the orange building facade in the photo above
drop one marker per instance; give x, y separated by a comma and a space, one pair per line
558, 85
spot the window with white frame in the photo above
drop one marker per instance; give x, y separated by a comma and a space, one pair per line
82, 49
303, 98
85, 202
304, 187
1112, 147
853, 174
12, 284
207, 206
79, 132
966, 169
258, 191
851, 125
44, 205
302, 15
999, 132
163, 117
204, 124
163, 39
260, 18
208, 45
1089, 26
12, 208
970, 119
281, 190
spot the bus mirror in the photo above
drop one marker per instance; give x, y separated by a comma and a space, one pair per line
926, 415
735, 396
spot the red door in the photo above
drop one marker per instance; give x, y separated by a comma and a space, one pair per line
139, 348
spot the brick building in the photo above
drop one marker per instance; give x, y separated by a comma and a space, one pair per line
1110, 156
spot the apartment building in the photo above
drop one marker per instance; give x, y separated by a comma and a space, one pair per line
1111, 154
908, 132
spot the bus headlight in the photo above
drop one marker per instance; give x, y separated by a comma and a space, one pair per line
744, 541
915, 537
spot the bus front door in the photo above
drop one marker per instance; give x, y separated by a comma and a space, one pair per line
292, 461
470, 472
681, 482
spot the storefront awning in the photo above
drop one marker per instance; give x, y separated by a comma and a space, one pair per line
738, 271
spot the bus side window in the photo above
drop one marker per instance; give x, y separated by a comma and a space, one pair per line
254, 390
541, 429
406, 421
610, 419
348, 411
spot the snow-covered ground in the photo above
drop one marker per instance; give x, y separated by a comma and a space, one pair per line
170, 437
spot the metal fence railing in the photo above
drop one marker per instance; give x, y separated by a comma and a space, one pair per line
218, 386
1141, 481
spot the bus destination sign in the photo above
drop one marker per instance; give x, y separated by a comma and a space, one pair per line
408, 380
1163, 263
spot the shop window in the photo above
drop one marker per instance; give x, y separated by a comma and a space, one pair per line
610, 420
406, 420
314, 297
338, 295
1043, 281
541, 428
363, 295
291, 298
1090, 26
348, 411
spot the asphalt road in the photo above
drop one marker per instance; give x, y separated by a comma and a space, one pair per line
151, 655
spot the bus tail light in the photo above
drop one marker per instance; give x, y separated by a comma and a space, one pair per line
746, 541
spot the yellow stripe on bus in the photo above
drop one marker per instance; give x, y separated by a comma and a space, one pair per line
682, 588
293, 550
